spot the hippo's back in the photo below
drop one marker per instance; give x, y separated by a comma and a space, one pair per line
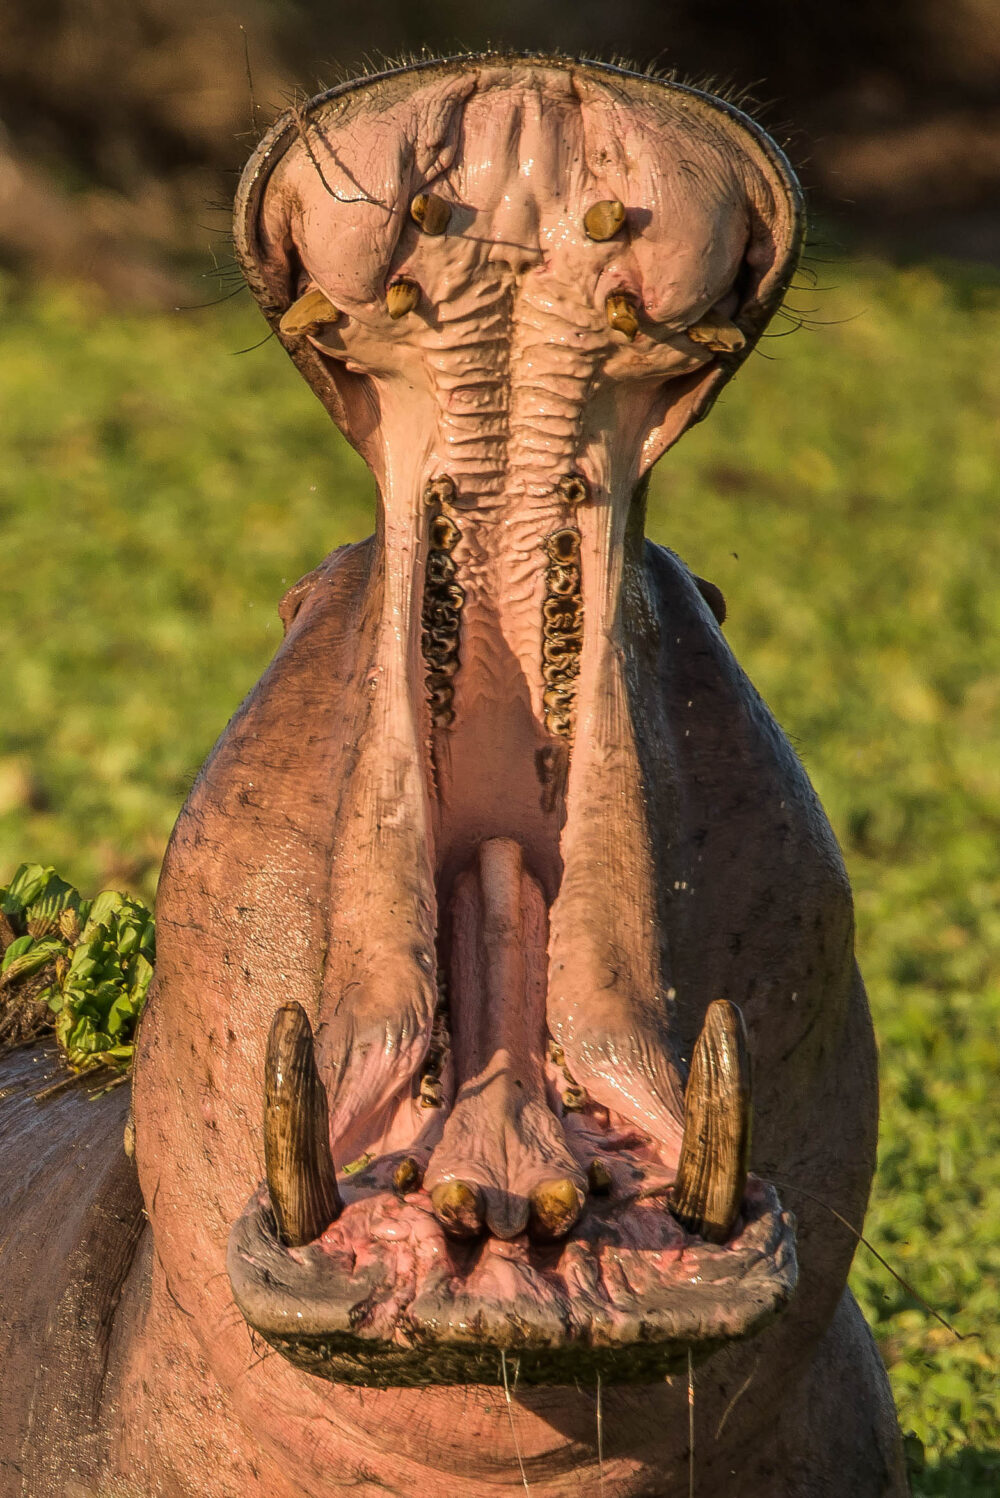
71, 1224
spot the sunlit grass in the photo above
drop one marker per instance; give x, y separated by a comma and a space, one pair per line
158, 493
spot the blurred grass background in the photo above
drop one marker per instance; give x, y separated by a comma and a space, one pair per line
159, 491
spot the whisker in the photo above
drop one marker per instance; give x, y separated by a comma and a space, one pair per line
226, 297
787, 1186
744, 1386
510, 1417
600, 1435
254, 346
690, 1424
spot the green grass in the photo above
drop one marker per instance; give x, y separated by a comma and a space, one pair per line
157, 494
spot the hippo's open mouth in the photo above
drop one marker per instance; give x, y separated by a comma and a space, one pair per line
514, 286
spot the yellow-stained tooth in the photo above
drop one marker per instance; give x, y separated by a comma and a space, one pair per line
554, 1207
430, 212
401, 297
603, 220
621, 315
312, 310
718, 334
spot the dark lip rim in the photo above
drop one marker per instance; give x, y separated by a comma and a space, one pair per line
290, 1299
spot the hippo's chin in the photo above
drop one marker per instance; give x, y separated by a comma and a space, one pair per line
385, 1297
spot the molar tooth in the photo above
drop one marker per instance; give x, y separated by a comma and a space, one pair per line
573, 488
439, 491
718, 334
603, 220
712, 1169
300, 1171
431, 1090
401, 297
430, 212
444, 533
621, 315
554, 1207
460, 1208
312, 310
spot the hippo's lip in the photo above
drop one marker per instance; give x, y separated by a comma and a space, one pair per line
386, 1298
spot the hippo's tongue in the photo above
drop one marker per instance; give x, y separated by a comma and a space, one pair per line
502, 1141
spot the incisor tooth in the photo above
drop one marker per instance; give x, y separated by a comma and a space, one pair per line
401, 297
712, 1169
603, 220
300, 1172
621, 315
312, 310
554, 1206
460, 1208
430, 212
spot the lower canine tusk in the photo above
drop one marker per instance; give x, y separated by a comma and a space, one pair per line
712, 1169
300, 1172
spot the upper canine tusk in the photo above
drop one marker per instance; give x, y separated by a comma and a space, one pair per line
300, 1171
401, 297
621, 314
718, 334
603, 220
312, 310
712, 1170
430, 212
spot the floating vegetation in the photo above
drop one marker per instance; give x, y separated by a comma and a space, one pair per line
79, 969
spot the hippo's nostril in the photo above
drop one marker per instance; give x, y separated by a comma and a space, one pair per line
312, 310
712, 1170
401, 297
621, 315
603, 220
300, 1172
432, 213
460, 1208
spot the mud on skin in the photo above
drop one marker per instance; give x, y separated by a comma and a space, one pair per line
502, 935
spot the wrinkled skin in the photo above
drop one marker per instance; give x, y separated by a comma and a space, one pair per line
594, 866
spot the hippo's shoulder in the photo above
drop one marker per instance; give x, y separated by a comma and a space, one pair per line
72, 1221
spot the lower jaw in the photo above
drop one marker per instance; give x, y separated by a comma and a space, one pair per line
385, 1298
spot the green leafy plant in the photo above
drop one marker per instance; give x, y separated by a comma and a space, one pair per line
80, 968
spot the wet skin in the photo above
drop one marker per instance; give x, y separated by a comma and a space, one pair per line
523, 866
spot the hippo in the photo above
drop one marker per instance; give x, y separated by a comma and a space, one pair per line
507, 1091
